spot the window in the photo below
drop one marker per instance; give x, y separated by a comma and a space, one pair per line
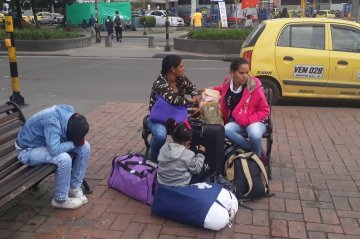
254, 36
303, 36
345, 39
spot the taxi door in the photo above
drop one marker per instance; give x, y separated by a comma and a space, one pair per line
302, 62
344, 79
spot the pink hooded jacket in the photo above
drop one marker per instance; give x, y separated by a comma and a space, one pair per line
252, 107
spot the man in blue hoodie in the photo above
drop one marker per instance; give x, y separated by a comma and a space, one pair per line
48, 137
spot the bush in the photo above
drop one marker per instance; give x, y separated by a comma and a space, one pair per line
41, 34
150, 21
219, 34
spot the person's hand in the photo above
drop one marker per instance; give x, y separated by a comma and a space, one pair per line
202, 148
79, 142
197, 99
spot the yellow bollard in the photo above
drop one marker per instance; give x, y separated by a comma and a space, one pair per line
10, 44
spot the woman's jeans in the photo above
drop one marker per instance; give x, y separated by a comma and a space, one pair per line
159, 134
69, 173
254, 131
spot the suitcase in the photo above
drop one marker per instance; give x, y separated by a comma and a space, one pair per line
212, 137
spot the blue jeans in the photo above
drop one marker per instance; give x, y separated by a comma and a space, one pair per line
69, 173
159, 134
254, 131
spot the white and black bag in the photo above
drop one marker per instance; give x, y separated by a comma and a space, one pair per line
250, 178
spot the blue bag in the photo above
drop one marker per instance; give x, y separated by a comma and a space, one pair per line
163, 110
186, 204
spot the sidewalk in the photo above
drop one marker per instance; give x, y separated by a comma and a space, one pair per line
132, 46
315, 179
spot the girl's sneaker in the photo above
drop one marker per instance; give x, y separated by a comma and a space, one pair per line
78, 193
70, 203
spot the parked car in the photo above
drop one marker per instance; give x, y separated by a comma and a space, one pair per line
325, 13
306, 57
45, 18
57, 17
160, 17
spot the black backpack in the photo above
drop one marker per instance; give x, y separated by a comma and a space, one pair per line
117, 21
250, 178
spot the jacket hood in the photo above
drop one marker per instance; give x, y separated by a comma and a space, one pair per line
172, 151
64, 113
251, 83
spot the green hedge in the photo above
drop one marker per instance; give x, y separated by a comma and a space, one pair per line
41, 34
150, 21
219, 34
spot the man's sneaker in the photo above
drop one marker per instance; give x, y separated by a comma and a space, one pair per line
70, 203
78, 193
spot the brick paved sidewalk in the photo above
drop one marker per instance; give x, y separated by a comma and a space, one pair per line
315, 178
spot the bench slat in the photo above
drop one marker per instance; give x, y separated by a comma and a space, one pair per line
9, 117
10, 137
7, 107
24, 179
7, 150
10, 161
10, 169
10, 127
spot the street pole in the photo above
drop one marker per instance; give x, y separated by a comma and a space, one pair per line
167, 23
355, 10
303, 8
10, 44
98, 39
144, 33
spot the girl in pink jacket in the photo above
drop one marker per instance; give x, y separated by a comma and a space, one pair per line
243, 106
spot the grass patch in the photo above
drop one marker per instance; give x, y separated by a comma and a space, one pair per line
219, 34
36, 34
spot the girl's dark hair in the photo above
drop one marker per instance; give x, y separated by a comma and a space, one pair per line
180, 132
235, 64
168, 62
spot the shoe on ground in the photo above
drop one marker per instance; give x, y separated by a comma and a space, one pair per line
70, 203
78, 193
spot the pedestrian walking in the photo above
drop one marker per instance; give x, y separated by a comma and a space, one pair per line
91, 24
109, 27
118, 25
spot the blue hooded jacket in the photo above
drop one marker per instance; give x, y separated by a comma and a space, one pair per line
47, 128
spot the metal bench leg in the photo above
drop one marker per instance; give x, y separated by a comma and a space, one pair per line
268, 154
87, 189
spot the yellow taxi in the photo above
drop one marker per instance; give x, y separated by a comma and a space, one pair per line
325, 13
306, 57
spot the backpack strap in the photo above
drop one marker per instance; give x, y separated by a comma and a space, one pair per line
247, 174
263, 170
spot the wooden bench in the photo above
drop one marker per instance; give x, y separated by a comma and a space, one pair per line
15, 177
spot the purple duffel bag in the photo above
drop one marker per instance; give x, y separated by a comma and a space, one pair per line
135, 176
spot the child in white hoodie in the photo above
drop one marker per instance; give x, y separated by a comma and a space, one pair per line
176, 162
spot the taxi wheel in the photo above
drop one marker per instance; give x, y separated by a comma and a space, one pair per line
269, 84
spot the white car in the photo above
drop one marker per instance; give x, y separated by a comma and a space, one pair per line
57, 17
160, 16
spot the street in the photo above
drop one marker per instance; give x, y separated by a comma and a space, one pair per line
88, 82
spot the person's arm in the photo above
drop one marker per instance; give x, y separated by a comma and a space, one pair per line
196, 163
262, 110
53, 136
189, 87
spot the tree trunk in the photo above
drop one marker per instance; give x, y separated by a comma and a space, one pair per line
33, 7
19, 15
